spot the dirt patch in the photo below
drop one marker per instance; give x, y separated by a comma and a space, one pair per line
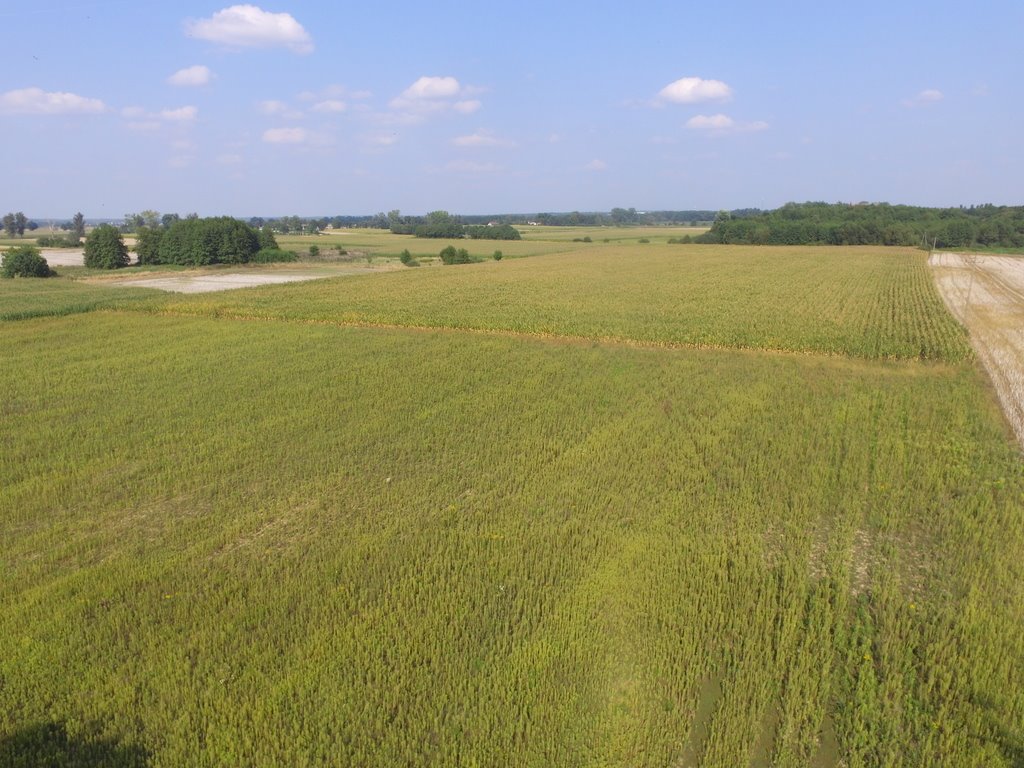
64, 257
986, 294
207, 283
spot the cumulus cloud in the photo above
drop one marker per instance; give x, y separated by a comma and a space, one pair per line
330, 105
693, 90
36, 101
435, 94
719, 124
179, 115
432, 88
191, 76
249, 26
482, 139
285, 136
596, 165
925, 97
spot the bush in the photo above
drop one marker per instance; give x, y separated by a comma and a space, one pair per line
104, 248
406, 258
314, 251
452, 256
497, 256
643, 240
24, 261
58, 241
273, 255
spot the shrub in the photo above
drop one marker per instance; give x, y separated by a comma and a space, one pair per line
452, 256
497, 256
24, 261
273, 255
643, 240
104, 248
406, 258
58, 241
314, 251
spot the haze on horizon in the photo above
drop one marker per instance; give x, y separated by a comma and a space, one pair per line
316, 108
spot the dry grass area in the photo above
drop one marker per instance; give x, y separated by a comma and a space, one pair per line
986, 293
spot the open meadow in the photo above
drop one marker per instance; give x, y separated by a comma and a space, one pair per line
615, 504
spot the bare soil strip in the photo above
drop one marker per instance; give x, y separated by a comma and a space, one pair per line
986, 294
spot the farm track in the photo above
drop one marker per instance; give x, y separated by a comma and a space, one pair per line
986, 294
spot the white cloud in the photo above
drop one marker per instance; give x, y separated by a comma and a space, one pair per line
229, 159
330, 105
925, 97
692, 90
720, 124
482, 139
179, 115
36, 101
248, 26
285, 136
432, 88
467, 107
382, 140
191, 76
436, 94
710, 122
596, 165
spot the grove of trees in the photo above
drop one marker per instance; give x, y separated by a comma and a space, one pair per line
872, 224
196, 242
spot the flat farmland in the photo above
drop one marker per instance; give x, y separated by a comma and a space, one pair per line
846, 301
660, 525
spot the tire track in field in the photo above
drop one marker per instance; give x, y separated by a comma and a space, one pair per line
986, 294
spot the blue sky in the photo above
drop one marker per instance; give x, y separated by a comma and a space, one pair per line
319, 108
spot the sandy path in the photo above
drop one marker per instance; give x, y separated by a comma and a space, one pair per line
986, 294
206, 283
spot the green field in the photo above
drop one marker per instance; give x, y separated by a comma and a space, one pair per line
616, 506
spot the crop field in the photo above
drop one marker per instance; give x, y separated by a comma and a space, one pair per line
623, 505
870, 302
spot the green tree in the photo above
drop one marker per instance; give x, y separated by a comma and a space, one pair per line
20, 222
24, 261
104, 248
10, 226
147, 245
78, 225
266, 237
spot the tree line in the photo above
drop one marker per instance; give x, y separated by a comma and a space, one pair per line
819, 223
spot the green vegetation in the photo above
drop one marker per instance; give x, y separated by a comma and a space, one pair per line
105, 249
867, 303
198, 242
58, 241
24, 261
273, 255
246, 534
452, 255
20, 299
872, 224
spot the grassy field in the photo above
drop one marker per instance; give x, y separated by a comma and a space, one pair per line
236, 531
